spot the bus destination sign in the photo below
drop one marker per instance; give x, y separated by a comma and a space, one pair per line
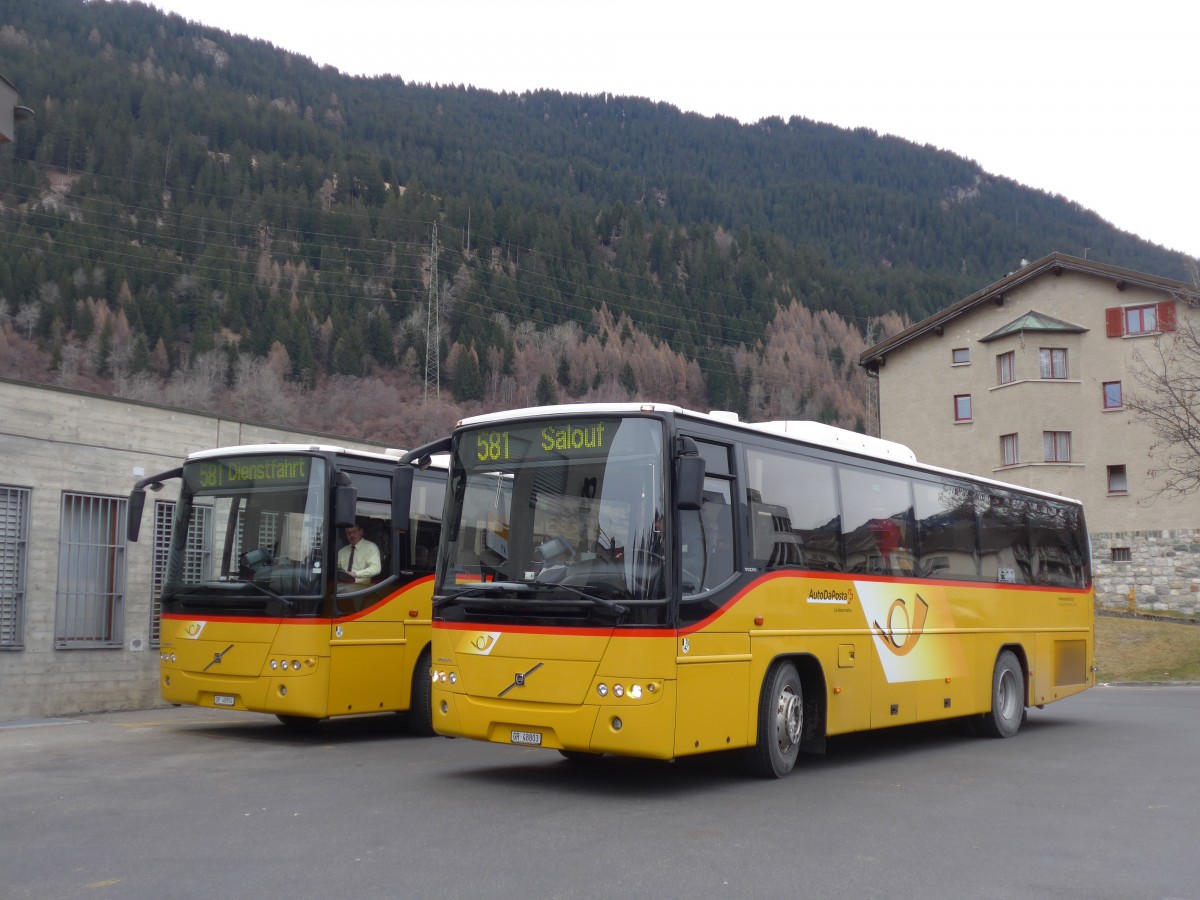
510, 445
263, 471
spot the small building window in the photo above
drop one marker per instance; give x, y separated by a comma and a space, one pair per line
1112, 395
962, 408
1141, 319
1121, 554
1054, 362
1057, 445
1118, 483
1150, 318
1009, 455
1006, 367
960, 356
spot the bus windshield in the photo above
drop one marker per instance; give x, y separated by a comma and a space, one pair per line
248, 536
565, 512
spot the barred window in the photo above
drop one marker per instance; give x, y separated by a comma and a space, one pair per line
14, 546
197, 561
91, 572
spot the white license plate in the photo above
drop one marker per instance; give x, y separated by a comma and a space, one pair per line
527, 737
223, 700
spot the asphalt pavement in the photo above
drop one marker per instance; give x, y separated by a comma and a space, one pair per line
1098, 796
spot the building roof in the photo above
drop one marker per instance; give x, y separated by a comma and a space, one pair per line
1033, 321
1054, 264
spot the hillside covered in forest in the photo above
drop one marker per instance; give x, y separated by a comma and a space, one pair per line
209, 221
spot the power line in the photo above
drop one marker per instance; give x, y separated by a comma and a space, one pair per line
433, 373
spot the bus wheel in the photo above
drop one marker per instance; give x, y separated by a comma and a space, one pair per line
1008, 698
420, 702
299, 723
580, 756
780, 723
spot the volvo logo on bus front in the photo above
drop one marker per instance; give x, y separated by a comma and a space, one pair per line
217, 658
519, 679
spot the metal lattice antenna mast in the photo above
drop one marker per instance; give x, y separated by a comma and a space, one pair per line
433, 376
872, 386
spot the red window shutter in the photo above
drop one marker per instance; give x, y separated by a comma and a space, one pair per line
1114, 321
1166, 315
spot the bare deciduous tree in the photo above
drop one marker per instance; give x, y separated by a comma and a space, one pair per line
27, 318
1168, 373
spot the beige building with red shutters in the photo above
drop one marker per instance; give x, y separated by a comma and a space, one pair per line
1026, 381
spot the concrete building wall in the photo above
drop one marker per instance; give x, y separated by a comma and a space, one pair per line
54, 440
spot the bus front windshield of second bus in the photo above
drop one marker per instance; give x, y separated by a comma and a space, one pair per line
575, 502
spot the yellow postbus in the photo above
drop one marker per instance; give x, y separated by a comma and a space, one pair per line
263, 605
642, 580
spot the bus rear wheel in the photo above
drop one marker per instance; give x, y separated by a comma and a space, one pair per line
780, 723
1008, 699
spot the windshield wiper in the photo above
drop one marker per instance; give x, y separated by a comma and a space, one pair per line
541, 587
489, 587
287, 604
618, 608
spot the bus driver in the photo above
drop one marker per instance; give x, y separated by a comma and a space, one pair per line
359, 561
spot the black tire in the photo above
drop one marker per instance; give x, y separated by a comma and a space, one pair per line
299, 723
1008, 699
420, 701
580, 757
780, 723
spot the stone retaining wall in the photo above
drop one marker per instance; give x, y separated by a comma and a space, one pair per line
1161, 575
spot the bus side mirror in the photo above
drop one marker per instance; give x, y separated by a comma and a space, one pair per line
137, 500
133, 514
689, 486
402, 485
345, 502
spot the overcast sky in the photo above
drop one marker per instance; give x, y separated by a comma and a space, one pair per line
1098, 101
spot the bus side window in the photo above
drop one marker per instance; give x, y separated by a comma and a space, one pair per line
877, 531
947, 536
794, 514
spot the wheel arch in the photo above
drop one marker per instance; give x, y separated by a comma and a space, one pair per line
812, 680
1018, 650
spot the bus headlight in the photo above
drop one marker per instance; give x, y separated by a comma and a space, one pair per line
602, 689
618, 691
